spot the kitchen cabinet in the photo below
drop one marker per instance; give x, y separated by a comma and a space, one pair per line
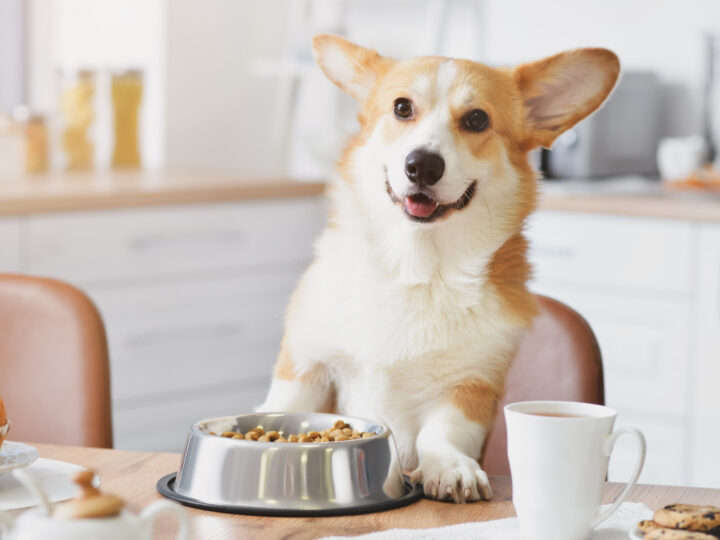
10, 235
705, 422
650, 289
192, 297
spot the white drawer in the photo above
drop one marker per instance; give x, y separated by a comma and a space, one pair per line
161, 242
171, 338
644, 343
667, 451
161, 425
612, 251
10, 237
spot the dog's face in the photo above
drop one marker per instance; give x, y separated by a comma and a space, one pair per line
440, 133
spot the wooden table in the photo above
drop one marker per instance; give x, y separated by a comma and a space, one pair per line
133, 475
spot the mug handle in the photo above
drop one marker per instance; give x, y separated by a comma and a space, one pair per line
608, 448
151, 511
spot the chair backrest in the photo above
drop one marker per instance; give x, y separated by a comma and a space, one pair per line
54, 370
559, 359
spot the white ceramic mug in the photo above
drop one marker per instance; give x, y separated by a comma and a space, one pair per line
559, 453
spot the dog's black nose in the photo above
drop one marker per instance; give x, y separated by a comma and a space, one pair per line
424, 168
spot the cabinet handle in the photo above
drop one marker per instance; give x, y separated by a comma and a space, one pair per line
170, 241
184, 334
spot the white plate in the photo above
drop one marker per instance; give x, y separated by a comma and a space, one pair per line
636, 534
53, 477
15, 454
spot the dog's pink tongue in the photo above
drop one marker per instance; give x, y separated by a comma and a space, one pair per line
420, 206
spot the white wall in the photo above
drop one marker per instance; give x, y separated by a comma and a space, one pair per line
11, 55
218, 114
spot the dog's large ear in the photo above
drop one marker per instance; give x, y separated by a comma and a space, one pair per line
561, 90
352, 68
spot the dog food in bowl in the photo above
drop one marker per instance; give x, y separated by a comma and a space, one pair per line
340, 431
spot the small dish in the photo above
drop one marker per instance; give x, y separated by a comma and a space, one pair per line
289, 479
15, 454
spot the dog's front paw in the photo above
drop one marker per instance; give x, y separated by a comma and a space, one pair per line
457, 478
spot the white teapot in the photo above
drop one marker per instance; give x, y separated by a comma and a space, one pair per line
91, 516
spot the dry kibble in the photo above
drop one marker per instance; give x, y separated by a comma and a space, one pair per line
341, 431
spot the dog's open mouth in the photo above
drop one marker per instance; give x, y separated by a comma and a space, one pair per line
421, 206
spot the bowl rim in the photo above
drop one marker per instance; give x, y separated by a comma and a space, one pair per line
195, 430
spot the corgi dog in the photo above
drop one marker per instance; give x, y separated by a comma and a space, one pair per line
417, 298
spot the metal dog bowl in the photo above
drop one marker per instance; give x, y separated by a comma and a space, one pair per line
289, 479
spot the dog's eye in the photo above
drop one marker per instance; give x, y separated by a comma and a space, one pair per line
476, 120
403, 108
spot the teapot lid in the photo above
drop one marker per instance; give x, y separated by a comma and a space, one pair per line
90, 503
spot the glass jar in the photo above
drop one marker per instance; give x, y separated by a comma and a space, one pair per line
77, 91
127, 91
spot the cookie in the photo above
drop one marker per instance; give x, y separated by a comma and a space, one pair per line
688, 516
676, 534
647, 525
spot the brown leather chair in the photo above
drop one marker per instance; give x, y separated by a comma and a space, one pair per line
559, 359
54, 370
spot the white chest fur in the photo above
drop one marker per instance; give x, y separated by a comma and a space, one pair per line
393, 345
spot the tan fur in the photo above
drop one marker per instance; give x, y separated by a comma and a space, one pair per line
535, 78
284, 366
477, 399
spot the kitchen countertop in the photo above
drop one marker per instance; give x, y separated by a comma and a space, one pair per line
117, 189
629, 196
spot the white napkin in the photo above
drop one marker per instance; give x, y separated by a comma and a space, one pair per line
53, 477
616, 527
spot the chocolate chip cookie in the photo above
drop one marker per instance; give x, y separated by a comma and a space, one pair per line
688, 517
676, 534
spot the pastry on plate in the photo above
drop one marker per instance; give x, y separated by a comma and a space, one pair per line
682, 522
688, 516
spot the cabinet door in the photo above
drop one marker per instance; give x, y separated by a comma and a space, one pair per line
10, 236
178, 339
612, 252
104, 247
706, 409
